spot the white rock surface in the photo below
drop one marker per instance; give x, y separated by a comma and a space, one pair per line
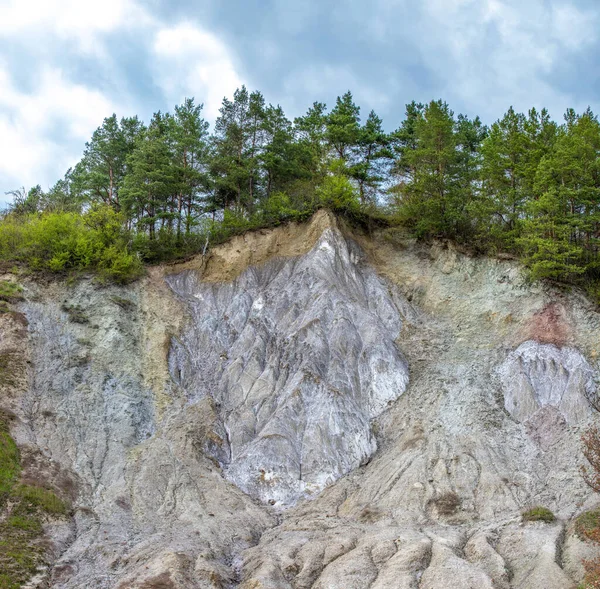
537, 375
299, 356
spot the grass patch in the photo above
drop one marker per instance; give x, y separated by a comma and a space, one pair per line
21, 553
10, 292
9, 461
538, 514
38, 497
24, 522
587, 524
10, 367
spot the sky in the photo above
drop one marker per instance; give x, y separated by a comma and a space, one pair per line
67, 64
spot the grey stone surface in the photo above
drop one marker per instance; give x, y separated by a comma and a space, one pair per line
151, 507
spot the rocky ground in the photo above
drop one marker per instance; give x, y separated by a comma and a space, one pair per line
311, 406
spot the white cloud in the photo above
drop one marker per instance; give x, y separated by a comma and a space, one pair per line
293, 18
190, 61
326, 82
185, 61
28, 153
75, 20
493, 53
573, 28
487, 54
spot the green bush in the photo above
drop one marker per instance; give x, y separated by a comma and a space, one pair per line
97, 241
119, 265
280, 207
338, 194
538, 514
61, 242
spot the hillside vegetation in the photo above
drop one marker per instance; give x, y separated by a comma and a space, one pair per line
145, 193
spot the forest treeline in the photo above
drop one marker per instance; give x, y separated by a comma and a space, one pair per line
526, 185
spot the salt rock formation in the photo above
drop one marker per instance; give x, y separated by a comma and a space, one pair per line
299, 357
538, 375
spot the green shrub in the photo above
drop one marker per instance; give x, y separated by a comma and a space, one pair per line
538, 514
281, 207
119, 265
593, 291
338, 194
61, 242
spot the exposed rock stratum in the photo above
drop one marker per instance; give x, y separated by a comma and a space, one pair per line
310, 406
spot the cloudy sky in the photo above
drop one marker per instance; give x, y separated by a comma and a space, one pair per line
66, 64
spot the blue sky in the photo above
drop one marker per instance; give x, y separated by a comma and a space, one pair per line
66, 64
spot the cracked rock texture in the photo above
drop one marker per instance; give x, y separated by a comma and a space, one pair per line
299, 356
536, 376
311, 406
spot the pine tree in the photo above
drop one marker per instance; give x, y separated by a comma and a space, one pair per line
372, 158
429, 195
103, 166
511, 155
235, 149
189, 137
503, 179
342, 130
310, 131
404, 140
256, 128
66, 195
278, 158
470, 134
151, 185
560, 239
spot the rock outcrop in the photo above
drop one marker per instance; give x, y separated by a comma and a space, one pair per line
299, 357
537, 376
313, 407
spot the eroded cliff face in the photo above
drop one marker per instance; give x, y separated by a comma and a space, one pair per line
313, 407
299, 357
